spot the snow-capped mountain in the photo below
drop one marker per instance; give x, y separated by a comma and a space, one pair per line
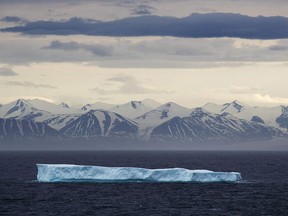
203, 126
282, 120
101, 123
162, 113
232, 108
20, 109
51, 107
169, 122
157, 116
151, 103
135, 107
15, 129
57, 121
29, 109
98, 105
39, 111
64, 105
273, 116
132, 109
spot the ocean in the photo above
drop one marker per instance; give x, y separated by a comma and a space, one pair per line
263, 191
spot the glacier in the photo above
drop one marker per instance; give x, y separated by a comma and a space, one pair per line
80, 173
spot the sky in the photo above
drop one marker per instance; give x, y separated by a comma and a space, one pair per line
187, 51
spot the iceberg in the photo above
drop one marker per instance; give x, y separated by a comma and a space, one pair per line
79, 173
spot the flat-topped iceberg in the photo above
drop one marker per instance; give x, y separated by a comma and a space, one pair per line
78, 173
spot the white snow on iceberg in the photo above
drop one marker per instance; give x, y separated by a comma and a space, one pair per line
77, 173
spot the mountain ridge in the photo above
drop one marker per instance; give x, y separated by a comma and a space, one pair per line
169, 122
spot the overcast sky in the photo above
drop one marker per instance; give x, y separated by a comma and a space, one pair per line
187, 51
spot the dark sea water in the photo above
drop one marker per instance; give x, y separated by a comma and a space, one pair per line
264, 190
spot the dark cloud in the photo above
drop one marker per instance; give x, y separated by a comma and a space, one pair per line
7, 72
13, 19
96, 49
194, 26
42, 1
79, 20
30, 85
63, 46
143, 10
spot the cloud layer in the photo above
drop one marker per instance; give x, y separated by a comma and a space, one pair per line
141, 52
7, 72
143, 10
95, 49
13, 19
128, 85
30, 85
193, 26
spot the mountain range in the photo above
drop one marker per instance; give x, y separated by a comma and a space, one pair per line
145, 121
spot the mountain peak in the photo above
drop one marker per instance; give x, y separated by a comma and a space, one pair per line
233, 106
97, 105
21, 103
235, 102
199, 109
151, 103
65, 105
17, 108
86, 107
238, 102
131, 109
199, 112
170, 104
284, 109
135, 104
